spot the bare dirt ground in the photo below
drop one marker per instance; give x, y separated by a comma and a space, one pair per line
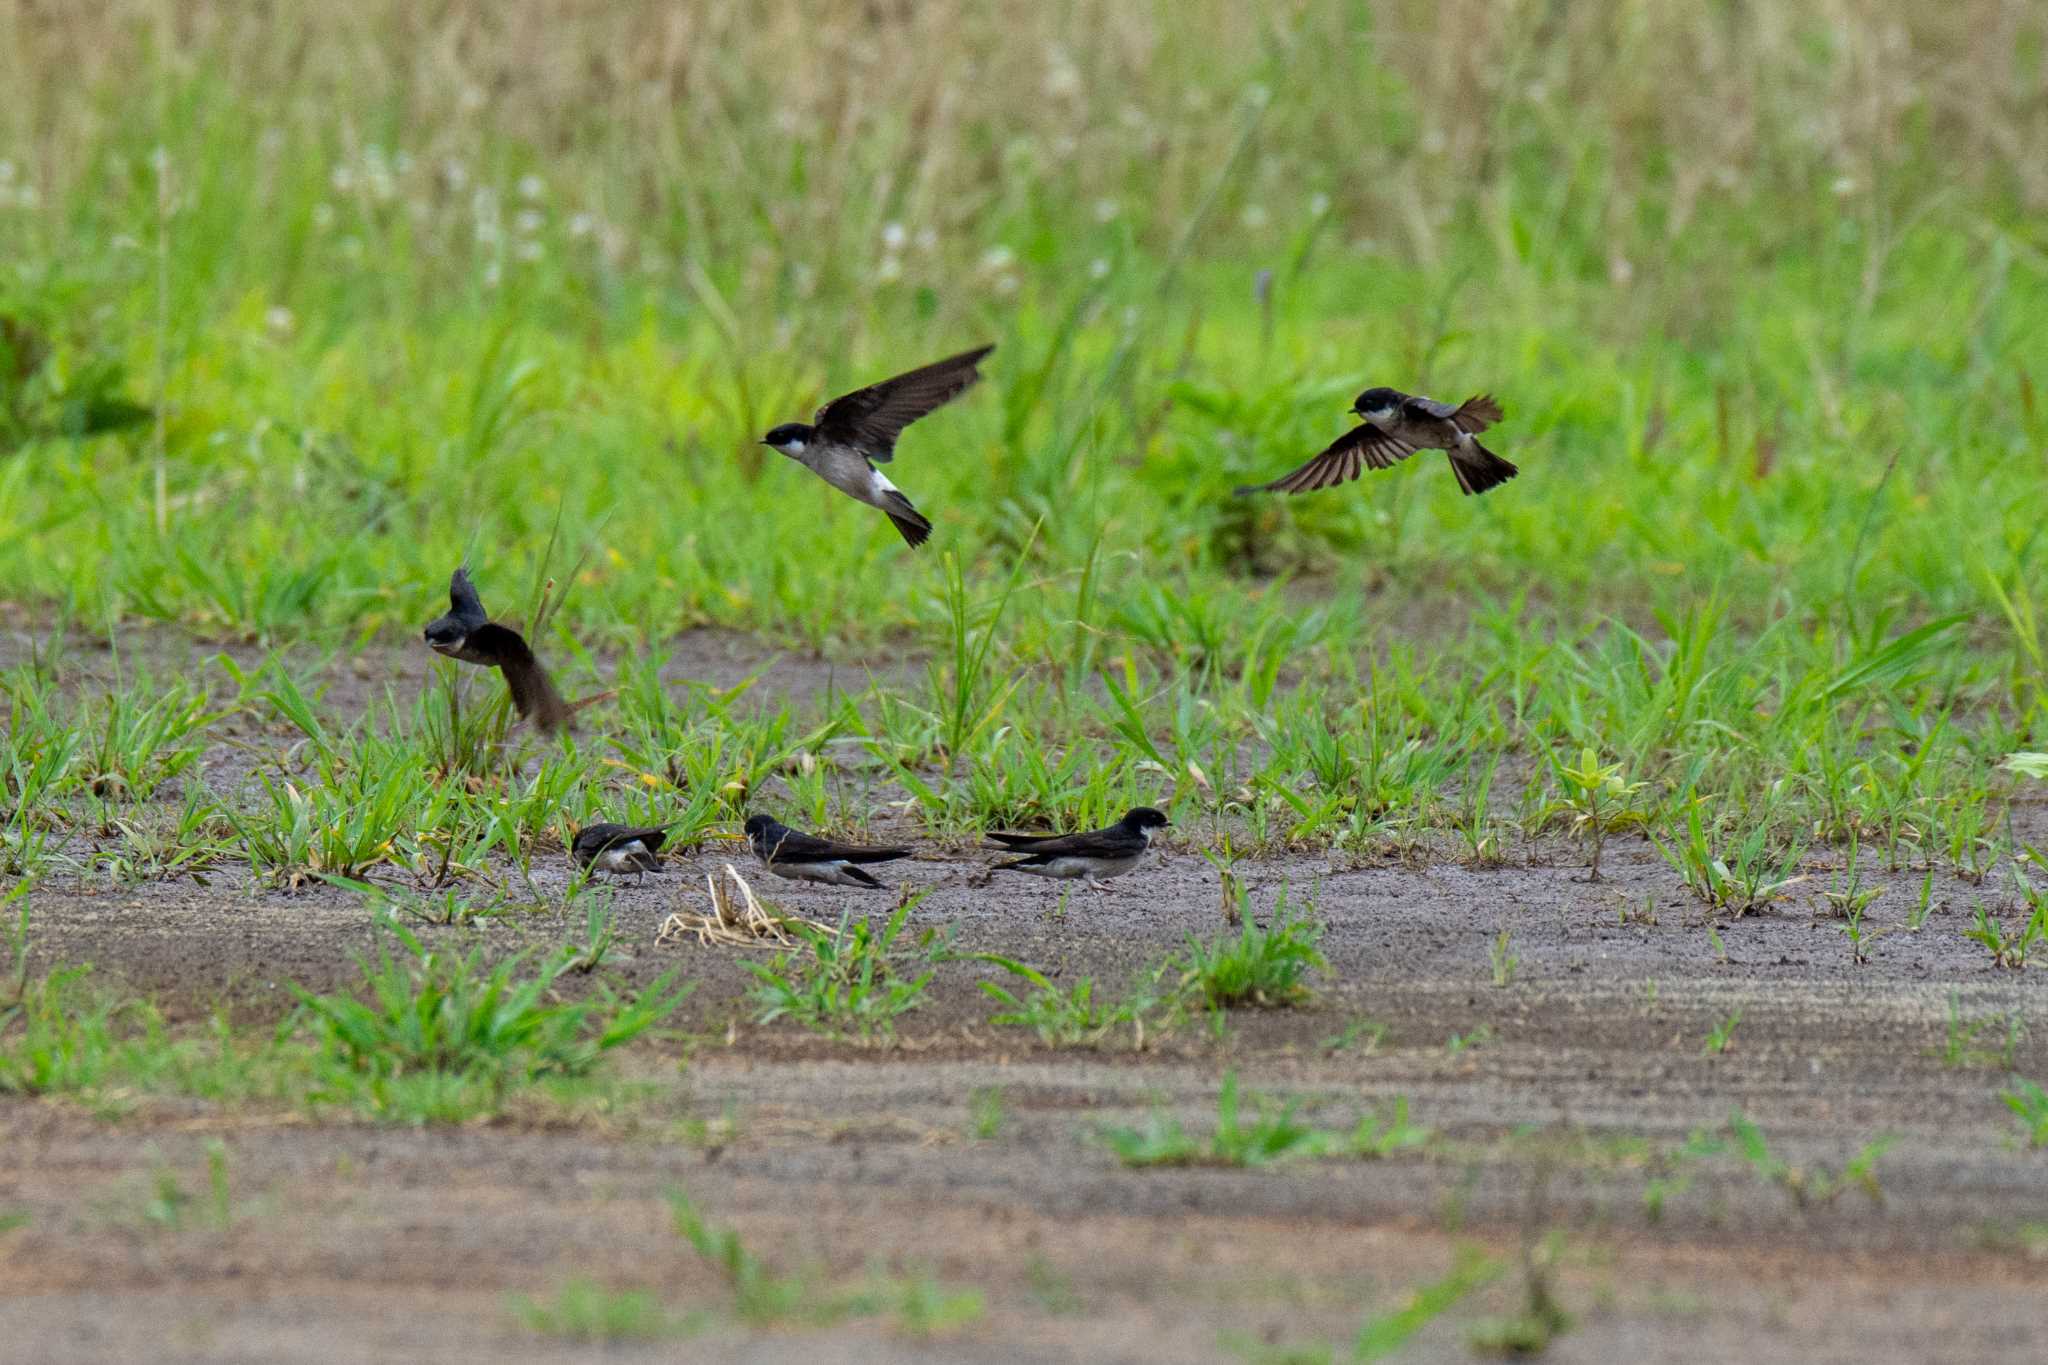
354, 1242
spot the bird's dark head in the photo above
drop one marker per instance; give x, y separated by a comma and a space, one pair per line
758, 825
790, 438
1377, 403
446, 634
1145, 818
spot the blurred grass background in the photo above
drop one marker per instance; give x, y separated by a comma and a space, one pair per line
304, 303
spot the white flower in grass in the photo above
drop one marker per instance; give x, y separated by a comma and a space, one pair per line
894, 236
997, 258
529, 250
323, 216
1254, 216
1106, 210
532, 187
889, 270
1318, 205
582, 225
1098, 269
528, 221
279, 319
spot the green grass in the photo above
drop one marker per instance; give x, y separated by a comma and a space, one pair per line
1260, 1130
851, 981
763, 1297
1763, 587
1264, 966
2029, 1104
583, 1311
426, 1036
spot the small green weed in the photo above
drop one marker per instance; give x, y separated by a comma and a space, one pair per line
584, 1311
1264, 967
2029, 1103
849, 981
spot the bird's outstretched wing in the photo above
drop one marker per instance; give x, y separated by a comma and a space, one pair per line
787, 845
1344, 459
871, 419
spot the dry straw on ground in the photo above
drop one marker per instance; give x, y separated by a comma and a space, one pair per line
737, 918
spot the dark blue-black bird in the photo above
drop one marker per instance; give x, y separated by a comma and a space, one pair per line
1396, 426
468, 633
1096, 855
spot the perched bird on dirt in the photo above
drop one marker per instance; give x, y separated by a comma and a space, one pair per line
467, 633
1096, 855
850, 435
619, 849
1396, 426
804, 857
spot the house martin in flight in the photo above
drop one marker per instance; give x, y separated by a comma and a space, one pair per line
851, 435
1396, 426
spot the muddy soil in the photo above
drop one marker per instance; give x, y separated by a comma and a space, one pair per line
972, 1155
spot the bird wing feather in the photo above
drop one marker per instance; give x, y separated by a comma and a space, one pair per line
872, 418
1344, 459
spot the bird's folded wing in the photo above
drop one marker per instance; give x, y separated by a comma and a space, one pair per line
871, 419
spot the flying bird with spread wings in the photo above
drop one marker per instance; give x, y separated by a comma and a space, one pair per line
1396, 426
853, 433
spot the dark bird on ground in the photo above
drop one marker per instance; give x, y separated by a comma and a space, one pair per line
468, 633
804, 857
619, 849
1096, 855
851, 435
1396, 426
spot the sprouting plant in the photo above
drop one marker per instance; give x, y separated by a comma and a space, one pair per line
1073, 1017
1745, 878
1960, 1047
1600, 799
1722, 1035
2008, 949
849, 980
1916, 918
1809, 1186
1502, 956
1849, 898
584, 1311
1270, 1132
1369, 1032
2029, 1103
985, 1110
1255, 966
1479, 1035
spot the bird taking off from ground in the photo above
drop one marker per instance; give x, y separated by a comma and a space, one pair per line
468, 633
